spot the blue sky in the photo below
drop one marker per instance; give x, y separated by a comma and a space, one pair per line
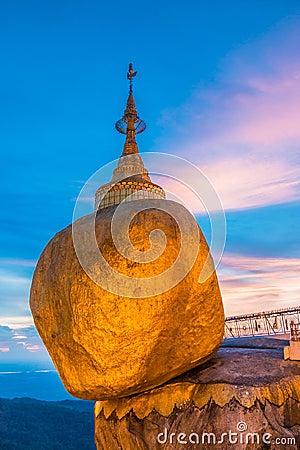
218, 84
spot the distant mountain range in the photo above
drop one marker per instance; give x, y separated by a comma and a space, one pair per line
28, 424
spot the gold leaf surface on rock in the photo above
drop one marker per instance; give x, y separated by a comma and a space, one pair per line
106, 345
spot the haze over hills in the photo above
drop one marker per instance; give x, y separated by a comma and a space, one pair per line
40, 384
44, 416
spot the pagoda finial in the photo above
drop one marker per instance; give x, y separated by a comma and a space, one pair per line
130, 124
131, 74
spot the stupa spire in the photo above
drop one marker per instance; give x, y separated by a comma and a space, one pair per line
130, 180
130, 124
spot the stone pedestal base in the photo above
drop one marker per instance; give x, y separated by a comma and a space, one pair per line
292, 351
244, 398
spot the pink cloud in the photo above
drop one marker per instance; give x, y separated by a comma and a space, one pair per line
244, 129
268, 111
21, 344
252, 284
239, 183
33, 348
244, 182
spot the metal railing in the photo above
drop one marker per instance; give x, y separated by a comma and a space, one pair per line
280, 321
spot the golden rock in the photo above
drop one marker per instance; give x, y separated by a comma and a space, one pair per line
107, 344
127, 298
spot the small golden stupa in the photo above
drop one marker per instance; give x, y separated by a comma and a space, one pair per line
131, 176
136, 316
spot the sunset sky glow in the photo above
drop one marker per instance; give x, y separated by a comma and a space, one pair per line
218, 85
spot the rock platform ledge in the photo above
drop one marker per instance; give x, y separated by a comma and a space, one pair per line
247, 397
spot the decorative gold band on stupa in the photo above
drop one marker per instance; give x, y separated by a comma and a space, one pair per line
130, 179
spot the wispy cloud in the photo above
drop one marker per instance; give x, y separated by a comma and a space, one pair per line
17, 262
252, 284
243, 130
16, 322
21, 344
